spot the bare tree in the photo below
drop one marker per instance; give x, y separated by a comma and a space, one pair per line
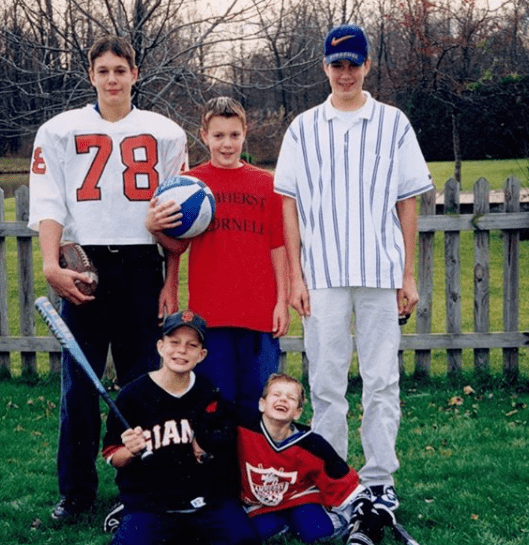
431, 54
43, 49
282, 66
444, 62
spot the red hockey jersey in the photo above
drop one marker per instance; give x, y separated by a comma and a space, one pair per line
302, 469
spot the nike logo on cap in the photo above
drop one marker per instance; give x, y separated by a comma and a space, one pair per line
336, 41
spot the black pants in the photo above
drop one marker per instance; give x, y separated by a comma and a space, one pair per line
123, 317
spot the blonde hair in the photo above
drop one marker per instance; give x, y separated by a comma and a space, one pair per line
283, 377
222, 107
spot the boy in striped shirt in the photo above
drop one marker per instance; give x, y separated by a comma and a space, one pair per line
349, 171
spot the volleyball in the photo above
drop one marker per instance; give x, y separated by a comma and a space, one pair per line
196, 201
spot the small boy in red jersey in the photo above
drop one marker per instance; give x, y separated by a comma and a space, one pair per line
293, 480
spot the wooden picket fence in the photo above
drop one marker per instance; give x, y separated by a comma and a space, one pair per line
451, 217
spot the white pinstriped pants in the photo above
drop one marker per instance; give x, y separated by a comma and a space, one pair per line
328, 344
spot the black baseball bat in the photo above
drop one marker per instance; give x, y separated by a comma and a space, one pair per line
402, 535
63, 334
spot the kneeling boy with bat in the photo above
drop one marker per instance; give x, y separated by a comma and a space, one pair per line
183, 491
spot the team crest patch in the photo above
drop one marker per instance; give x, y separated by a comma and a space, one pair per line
269, 486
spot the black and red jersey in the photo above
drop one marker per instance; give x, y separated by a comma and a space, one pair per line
173, 478
302, 469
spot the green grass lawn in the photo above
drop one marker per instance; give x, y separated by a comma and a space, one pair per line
495, 172
9, 182
464, 454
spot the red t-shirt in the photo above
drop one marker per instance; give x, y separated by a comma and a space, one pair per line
231, 277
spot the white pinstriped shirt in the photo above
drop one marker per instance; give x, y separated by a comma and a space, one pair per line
347, 176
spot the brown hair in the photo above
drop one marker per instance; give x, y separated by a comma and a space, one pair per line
283, 377
115, 44
222, 107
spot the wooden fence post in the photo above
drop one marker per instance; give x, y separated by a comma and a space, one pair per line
25, 280
510, 222
481, 272
423, 358
511, 248
453, 276
5, 361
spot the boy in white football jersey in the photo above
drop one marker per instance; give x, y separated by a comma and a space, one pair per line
349, 171
94, 170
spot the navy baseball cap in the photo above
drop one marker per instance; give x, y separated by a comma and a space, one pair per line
188, 318
347, 42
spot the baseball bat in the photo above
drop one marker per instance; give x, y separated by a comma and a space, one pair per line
63, 334
402, 535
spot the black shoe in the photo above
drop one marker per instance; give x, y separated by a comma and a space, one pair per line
384, 495
68, 508
113, 519
367, 523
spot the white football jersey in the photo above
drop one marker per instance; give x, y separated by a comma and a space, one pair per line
96, 177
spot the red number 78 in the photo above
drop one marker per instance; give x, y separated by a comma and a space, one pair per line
130, 148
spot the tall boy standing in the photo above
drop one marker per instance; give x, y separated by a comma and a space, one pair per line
238, 267
349, 171
93, 174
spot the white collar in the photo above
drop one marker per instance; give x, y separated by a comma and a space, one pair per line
192, 380
365, 111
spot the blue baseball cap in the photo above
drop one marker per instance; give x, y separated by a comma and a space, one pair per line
347, 42
187, 318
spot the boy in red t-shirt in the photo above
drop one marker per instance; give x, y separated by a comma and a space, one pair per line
238, 267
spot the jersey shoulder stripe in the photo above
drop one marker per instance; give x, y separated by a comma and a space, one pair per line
306, 440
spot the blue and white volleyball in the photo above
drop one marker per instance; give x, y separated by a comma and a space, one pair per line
196, 201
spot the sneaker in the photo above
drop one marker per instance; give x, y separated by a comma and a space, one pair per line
113, 519
366, 526
68, 508
384, 495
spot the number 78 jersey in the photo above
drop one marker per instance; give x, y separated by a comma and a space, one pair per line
96, 178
